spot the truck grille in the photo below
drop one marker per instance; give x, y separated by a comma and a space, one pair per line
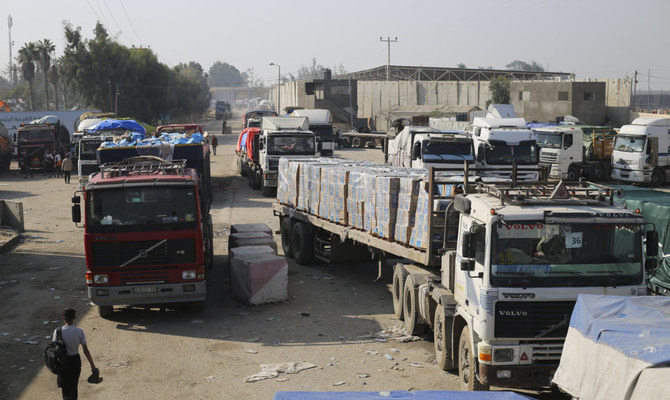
146, 274
547, 353
130, 254
273, 164
549, 158
536, 319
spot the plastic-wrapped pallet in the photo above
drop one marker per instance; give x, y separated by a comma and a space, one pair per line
408, 195
369, 196
334, 181
419, 237
283, 181
355, 198
314, 187
387, 187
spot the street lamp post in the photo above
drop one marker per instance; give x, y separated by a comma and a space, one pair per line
278, 87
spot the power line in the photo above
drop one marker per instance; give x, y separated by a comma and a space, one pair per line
93, 9
117, 24
130, 23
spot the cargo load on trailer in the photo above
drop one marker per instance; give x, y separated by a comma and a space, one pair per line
493, 268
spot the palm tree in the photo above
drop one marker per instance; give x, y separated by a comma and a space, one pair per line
46, 47
54, 77
28, 54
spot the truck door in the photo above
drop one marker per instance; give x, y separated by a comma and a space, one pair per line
652, 151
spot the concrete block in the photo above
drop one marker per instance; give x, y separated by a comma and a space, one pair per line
252, 242
251, 251
239, 228
259, 279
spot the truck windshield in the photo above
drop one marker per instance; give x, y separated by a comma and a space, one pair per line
35, 136
87, 149
631, 144
296, 145
525, 153
324, 132
448, 152
136, 209
549, 140
530, 254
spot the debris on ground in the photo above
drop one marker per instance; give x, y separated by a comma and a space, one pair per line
398, 333
274, 370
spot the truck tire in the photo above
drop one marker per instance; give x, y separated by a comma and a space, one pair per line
414, 324
399, 277
466, 364
302, 244
657, 177
357, 142
573, 173
371, 144
286, 232
597, 172
346, 142
105, 311
266, 190
209, 244
442, 341
256, 179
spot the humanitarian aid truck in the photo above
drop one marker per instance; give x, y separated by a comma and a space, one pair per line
425, 147
498, 287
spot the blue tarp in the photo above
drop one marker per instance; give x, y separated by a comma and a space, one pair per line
636, 326
110, 124
414, 395
165, 138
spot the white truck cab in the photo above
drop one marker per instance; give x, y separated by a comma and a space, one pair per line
561, 150
425, 147
642, 151
501, 142
288, 137
321, 123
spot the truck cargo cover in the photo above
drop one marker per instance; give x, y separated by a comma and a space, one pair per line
612, 342
398, 394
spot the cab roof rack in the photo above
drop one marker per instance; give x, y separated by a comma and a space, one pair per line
536, 193
142, 165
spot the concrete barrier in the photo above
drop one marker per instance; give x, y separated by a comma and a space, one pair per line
259, 279
240, 228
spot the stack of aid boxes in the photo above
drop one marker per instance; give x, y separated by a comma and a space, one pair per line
257, 274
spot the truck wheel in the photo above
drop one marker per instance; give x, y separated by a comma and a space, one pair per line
443, 348
399, 277
413, 321
105, 311
573, 173
286, 232
257, 179
266, 190
657, 178
357, 142
371, 144
346, 142
466, 363
597, 172
302, 244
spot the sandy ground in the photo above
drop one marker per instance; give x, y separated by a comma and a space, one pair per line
331, 318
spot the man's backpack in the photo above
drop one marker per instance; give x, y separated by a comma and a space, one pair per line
55, 354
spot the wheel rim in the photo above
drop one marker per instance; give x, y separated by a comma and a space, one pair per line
465, 362
439, 336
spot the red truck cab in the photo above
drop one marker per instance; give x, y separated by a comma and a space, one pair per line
148, 237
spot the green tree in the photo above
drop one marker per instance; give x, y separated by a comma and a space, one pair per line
28, 54
46, 48
224, 74
499, 88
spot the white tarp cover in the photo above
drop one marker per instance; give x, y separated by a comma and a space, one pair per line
613, 344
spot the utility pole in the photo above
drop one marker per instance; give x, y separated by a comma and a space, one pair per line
388, 41
11, 66
116, 102
635, 90
649, 89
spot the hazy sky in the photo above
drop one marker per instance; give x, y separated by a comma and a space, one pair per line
590, 38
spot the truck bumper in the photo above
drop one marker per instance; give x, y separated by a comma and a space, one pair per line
526, 376
147, 294
629, 175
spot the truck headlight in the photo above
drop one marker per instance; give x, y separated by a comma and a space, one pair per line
100, 279
484, 350
188, 275
503, 355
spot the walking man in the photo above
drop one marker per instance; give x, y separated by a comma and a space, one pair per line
67, 167
26, 165
58, 164
215, 142
73, 336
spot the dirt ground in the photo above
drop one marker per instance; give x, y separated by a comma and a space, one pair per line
332, 318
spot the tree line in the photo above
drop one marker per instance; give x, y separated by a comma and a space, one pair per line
101, 73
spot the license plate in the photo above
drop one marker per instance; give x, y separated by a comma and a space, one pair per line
625, 175
143, 290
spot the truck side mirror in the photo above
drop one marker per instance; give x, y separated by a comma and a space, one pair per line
467, 264
480, 153
465, 244
319, 146
260, 145
652, 243
76, 213
416, 151
650, 264
568, 141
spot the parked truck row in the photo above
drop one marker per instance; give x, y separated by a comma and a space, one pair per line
499, 268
